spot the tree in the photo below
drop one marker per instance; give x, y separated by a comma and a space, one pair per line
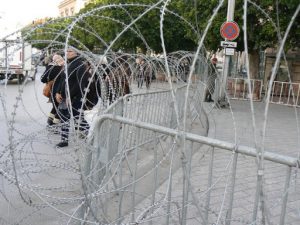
102, 24
50, 34
145, 32
262, 15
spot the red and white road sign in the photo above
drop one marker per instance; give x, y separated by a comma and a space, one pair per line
230, 30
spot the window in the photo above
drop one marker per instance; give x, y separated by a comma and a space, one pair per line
67, 12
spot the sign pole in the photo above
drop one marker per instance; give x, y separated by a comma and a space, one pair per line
221, 99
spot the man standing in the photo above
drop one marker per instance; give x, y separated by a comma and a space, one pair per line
70, 94
210, 83
140, 73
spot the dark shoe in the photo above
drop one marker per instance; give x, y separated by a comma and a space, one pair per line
62, 144
208, 100
50, 121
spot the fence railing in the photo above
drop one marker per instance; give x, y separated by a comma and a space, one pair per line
155, 108
285, 93
152, 107
237, 88
133, 168
282, 93
112, 140
141, 183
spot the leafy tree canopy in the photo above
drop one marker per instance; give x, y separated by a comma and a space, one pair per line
262, 15
97, 29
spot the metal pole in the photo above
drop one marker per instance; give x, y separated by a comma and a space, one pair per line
6, 56
285, 195
230, 17
134, 178
186, 167
233, 176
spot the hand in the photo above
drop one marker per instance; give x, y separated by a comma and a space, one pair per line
58, 97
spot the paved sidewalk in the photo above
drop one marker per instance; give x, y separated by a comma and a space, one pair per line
282, 135
281, 138
235, 125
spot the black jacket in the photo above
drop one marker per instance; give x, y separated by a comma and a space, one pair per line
53, 72
77, 76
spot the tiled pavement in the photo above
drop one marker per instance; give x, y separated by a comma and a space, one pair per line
235, 125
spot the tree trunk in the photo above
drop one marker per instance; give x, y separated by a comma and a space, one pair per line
254, 64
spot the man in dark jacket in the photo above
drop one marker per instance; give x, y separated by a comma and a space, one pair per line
70, 95
210, 82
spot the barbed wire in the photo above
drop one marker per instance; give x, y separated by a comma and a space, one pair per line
126, 173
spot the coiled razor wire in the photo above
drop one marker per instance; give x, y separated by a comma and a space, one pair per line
41, 184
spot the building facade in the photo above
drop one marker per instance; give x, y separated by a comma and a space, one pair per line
70, 7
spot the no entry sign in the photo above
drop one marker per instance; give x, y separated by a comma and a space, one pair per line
230, 30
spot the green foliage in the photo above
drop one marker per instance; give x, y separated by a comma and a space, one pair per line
260, 31
98, 29
144, 33
50, 33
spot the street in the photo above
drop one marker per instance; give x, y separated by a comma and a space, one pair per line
24, 107
30, 165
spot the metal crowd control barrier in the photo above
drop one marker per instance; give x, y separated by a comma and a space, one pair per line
285, 93
134, 176
237, 88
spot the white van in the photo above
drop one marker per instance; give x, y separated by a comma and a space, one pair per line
15, 60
